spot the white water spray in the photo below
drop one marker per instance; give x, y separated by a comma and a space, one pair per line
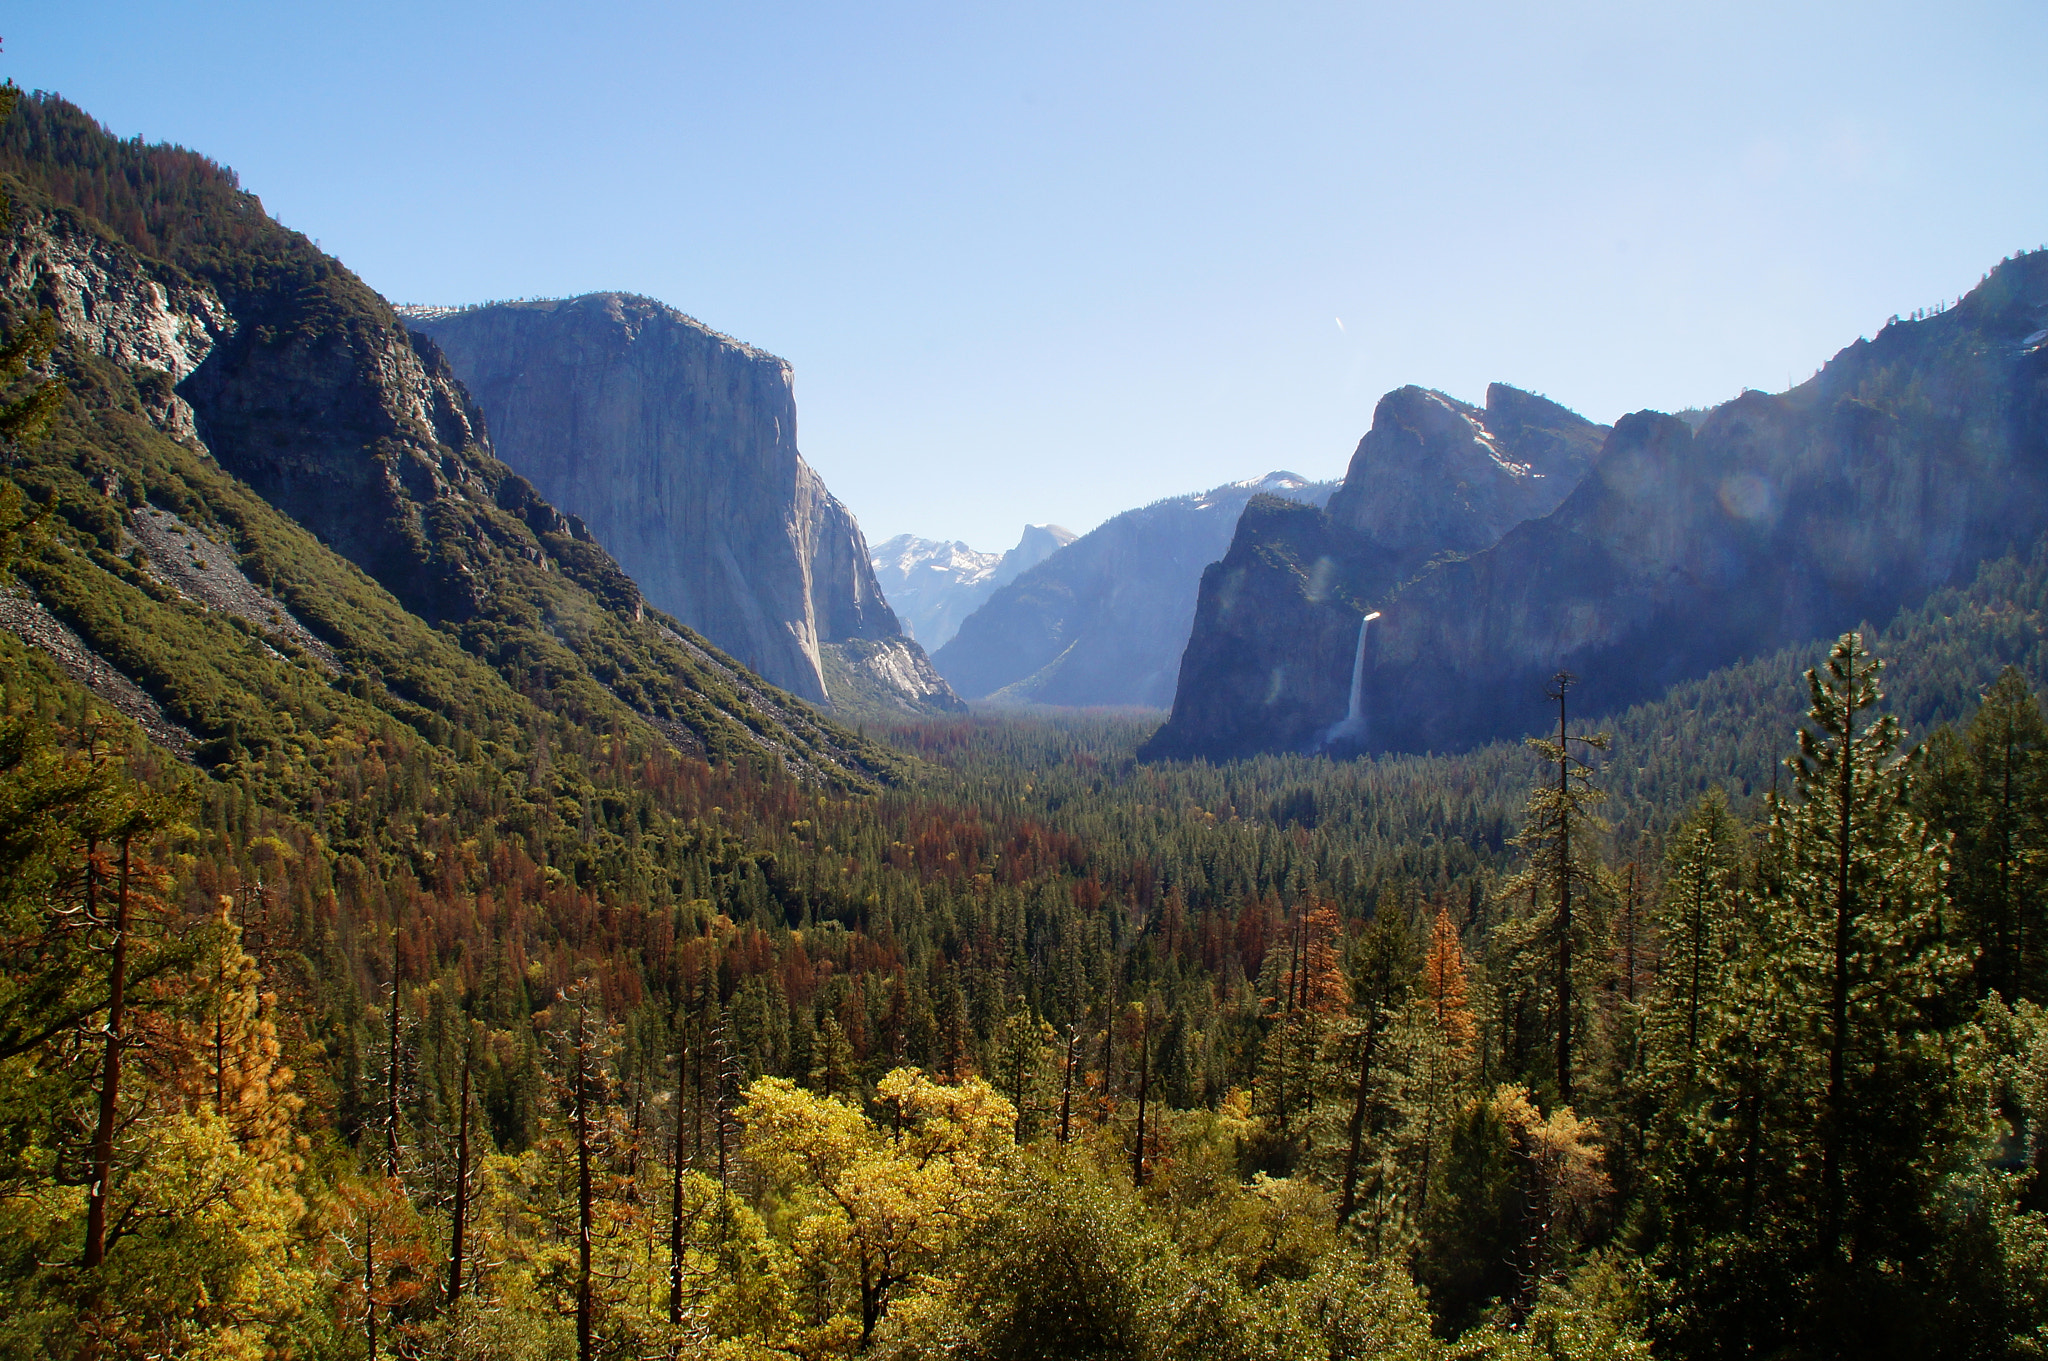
1352, 716
1351, 728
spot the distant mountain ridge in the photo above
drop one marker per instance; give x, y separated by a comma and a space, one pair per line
934, 584
1906, 461
677, 446
1103, 621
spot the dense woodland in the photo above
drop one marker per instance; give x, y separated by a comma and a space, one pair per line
431, 1004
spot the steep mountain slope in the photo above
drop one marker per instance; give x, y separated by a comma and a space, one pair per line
1104, 620
1905, 462
1275, 637
225, 374
934, 584
677, 445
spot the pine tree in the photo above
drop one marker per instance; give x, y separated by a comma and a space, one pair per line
1987, 792
1313, 993
1695, 912
1023, 1057
1564, 880
1828, 1115
585, 1138
1382, 978
1439, 1036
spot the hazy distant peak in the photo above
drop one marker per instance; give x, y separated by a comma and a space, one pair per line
1293, 486
933, 584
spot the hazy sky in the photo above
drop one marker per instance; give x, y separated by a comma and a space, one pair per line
1049, 261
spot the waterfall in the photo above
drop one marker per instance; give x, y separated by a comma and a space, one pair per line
1352, 714
1351, 728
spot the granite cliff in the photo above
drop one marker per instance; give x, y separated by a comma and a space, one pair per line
677, 447
1777, 518
1269, 657
1103, 621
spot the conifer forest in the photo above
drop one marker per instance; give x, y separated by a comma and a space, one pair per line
386, 977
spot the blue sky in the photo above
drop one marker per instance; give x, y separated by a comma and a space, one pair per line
1051, 261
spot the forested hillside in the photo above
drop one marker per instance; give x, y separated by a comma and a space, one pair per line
536, 983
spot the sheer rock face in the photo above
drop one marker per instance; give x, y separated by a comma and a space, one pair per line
1269, 657
677, 446
1904, 463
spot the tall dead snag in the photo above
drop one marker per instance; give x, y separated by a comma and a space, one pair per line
675, 1208
110, 1066
460, 1211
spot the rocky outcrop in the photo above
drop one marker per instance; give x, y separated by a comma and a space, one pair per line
1269, 658
136, 313
677, 446
1905, 462
934, 585
1104, 620
885, 677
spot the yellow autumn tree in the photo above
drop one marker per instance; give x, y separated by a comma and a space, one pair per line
875, 1207
1562, 1180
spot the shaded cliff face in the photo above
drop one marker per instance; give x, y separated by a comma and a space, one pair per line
934, 585
1904, 463
677, 446
1103, 621
1269, 655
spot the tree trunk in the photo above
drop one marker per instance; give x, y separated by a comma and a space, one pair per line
1629, 945
1838, 1011
1355, 1129
1067, 1083
1144, 1085
675, 1208
1564, 910
370, 1281
1692, 1009
2011, 931
391, 1083
220, 1027
461, 1212
110, 1069
583, 1195
870, 1309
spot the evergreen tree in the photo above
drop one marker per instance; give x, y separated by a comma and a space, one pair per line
1815, 1169
1382, 978
1695, 915
1563, 882
1987, 792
